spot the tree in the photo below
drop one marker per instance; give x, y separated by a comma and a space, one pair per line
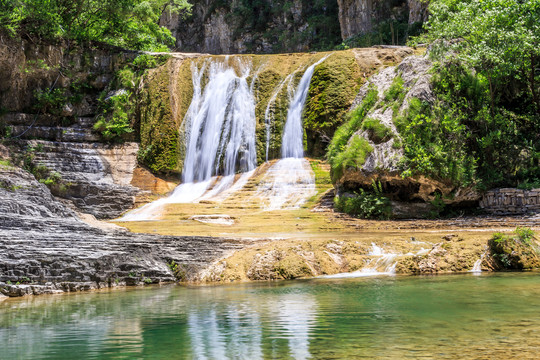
498, 38
131, 24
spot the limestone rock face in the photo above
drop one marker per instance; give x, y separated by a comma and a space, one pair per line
47, 248
26, 67
355, 17
418, 10
97, 176
232, 27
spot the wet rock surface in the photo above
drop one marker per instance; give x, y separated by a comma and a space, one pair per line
46, 248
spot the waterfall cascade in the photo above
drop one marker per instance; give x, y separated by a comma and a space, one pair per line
290, 181
219, 129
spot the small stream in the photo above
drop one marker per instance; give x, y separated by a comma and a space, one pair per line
443, 317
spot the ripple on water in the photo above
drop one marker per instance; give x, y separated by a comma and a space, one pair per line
446, 317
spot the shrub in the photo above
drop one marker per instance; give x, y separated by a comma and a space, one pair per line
115, 121
524, 234
52, 179
365, 205
50, 100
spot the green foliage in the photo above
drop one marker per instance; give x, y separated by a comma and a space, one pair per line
53, 178
488, 81
378, 132
114, 123
50, 100
529, 184
438, 205
354, 156
433, 139
524, 234
344, 151
127, 78
33, 66
127, 23
498, 38
366, 205
146, 61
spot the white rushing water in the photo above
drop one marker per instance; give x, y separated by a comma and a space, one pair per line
290, 182
220, 124
381, 263
477, 267
220, 134
219, 127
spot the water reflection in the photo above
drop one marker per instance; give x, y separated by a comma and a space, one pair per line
441, 317
235, 330
297, 314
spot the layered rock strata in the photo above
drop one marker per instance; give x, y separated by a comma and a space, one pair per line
96, 177
45, 247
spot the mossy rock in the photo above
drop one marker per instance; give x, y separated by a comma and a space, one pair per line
334, 86
515, 252
292, 266
161, 115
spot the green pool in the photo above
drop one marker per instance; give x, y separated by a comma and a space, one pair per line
440, 317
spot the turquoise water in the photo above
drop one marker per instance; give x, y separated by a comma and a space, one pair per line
459, 316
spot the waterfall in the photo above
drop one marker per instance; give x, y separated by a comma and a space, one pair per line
293, 133
477, 267
220, 137
220, 130
290, 182
220, 134
269, 113
220, 124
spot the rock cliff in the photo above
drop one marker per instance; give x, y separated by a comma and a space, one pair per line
384, 97
271, 26
45, 247
268, 26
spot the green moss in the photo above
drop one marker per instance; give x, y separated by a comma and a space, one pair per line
265, 84
161, 149
292, 266
378, 132
334, 85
